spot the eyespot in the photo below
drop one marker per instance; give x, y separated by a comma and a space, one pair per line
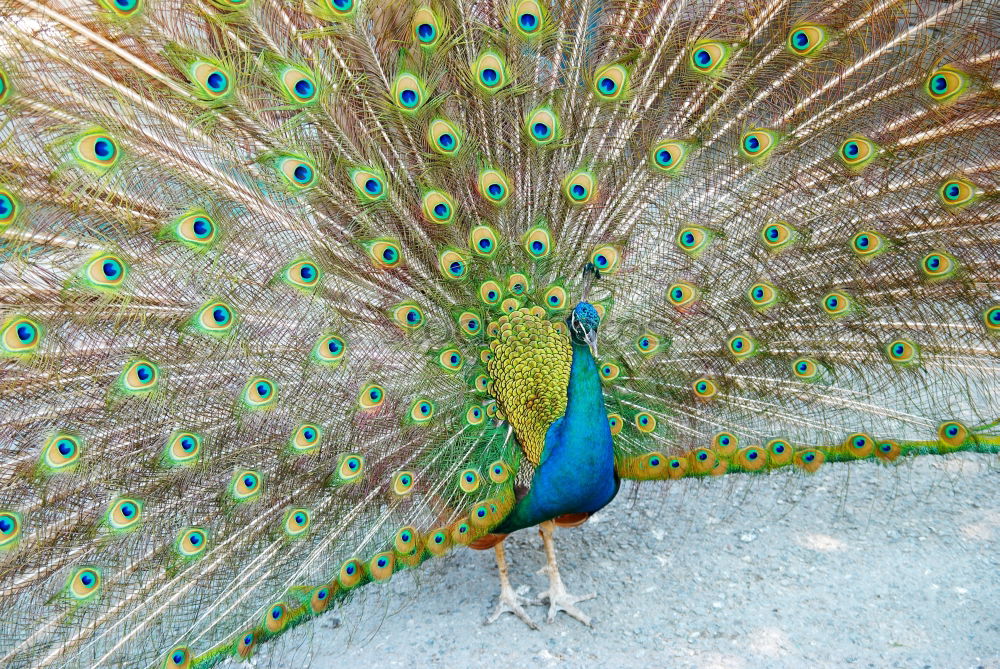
807, 40
380, 566
302, 274
247, 643
124, 514
554, 298
422, 410
669, 156
84, 583
741, 346
371, 396
946, 84
195, 229
645, 421
297, 172
857, 152
296, 522
757, 144
528, 17
183, 448
601, 311
751, 458
123, 8
10, 529
837, 303
438, 207
867, 243
609, 371
517, 284
725, 443
475, 415
408, 92
493, 186
809, 459
276, 618
338, 9
321, 597
610, 82
10, 206
299, 86
4, 86
306, 438
452, 264
483, 240
385, 253
537, 242
402, 482
350, 574
956, 193
483, 385
259, 393
762, 295
368, 183
499, 472
805, 369
780, 452
952, 433
694, 239
470, 323
704, 388
96, 151
426, 27
709, 57
139, 376
991, 318
438, 542
246, 485
490, 292
330, 349
579, 187
542, 126
406, 542
606, 259
212, 81
20, 336
682, 294
444, 137
106, 271
859, 445
647, 343
61, 452
615, 423
777, 236
490, 72
408, 316
178, 658
901, 351
450, 359
938, 265
215, 318
887, 450
350, 467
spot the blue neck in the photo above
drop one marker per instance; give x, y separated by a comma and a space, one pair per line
576, 473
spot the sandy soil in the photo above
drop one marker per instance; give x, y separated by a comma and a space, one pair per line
856, 566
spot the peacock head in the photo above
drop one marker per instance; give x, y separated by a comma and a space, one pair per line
583, 322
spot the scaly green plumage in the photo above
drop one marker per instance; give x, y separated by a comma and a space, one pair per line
260, 263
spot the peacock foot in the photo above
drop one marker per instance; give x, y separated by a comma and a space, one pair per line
510, 601
557, 596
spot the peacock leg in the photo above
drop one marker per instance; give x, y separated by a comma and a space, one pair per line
510, 601
558, 598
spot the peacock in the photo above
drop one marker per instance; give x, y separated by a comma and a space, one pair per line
297, 294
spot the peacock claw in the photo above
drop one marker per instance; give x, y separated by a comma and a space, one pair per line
561, 600
512, 602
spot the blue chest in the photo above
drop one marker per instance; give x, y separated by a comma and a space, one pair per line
576, 472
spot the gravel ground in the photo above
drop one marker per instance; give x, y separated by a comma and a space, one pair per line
856, 566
